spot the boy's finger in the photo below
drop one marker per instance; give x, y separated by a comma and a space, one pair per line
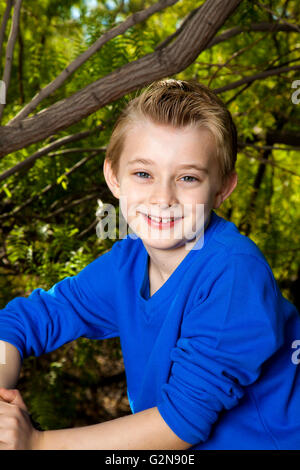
12, 396
7, 394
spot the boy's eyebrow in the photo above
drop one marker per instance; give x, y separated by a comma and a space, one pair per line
142, 161
145, 161
194, 165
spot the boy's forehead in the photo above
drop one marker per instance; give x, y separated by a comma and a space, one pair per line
147, 126
143, 139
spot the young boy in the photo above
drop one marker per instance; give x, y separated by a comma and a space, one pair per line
209, 342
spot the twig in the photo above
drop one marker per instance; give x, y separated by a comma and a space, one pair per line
254, 27
238, 93
29, 161
6, 16
47, 188
234, 56
258, 76
80, 60
174, 35
296, 27
10, 49
88, 229
266, 147
90, 196
270, 162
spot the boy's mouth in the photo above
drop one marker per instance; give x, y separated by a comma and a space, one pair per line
161, 222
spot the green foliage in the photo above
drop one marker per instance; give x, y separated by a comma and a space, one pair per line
43, 242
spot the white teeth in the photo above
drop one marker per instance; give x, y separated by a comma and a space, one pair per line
159, 219
156, 219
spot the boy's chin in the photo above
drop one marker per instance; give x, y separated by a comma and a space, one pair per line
171, 242
175, 237
165, 244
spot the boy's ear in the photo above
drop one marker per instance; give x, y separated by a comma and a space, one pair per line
226, 189
111, 179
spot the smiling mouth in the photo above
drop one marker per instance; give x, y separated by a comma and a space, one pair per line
161, 221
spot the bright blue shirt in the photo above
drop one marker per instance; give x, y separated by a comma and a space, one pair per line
213, 348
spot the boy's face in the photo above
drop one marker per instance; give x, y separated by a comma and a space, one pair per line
167, 186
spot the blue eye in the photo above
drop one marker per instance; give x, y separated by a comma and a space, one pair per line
189, 181
141, 173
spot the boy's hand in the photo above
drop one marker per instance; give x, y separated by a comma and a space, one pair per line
16, 430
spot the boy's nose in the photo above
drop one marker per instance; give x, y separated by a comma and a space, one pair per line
163, 195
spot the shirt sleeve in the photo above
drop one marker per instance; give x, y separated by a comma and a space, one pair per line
80, 305
233, 328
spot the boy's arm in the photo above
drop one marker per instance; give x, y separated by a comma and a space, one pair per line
143, 430
10, 365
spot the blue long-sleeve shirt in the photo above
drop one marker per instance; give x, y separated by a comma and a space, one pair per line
213, 348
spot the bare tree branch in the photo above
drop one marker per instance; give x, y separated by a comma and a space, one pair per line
265, 161
71, 150
170, 38
5, 18
238, 93
10, 48
92, 195
245, 224
273, 26
132, 76
264, 147
284, 137
47, 188
232, 32
29, 161
20, 66
263, 26
234, 56
257, 76
274, 15
88, 229
79, 61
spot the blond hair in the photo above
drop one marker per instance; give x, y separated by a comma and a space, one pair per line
179, 103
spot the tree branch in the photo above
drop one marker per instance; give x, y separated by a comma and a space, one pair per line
10, 48
88, 229
265, 161
284, 137
29, 161
170, 38
245, 224
258, 76
132, 76
79, 61
238, 93
20, 66
263, 26
234, 56
6, 16
92, 195
47, 188
242, 145
274, 14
